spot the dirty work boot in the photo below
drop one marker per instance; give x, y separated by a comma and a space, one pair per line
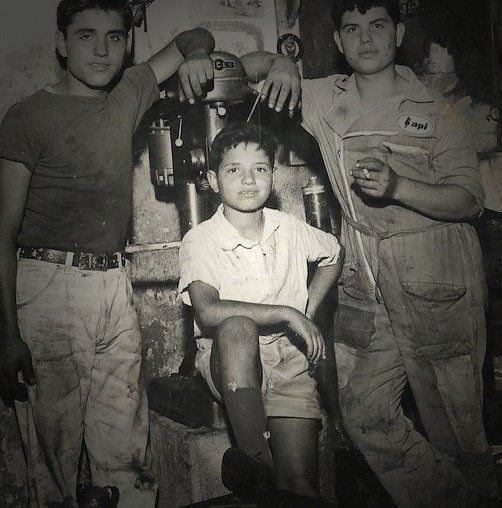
244, 474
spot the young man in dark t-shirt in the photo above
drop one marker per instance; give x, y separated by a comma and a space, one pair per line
68, 328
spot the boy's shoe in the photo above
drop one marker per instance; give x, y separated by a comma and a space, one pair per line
244, 474
93, 496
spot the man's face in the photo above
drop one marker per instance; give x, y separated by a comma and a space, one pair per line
244, 179
369, 41
95, 46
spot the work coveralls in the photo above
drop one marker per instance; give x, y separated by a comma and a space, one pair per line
412, 295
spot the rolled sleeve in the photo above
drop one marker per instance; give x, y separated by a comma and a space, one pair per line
309, 112
321, 247
454, 160
196, 264
317, 100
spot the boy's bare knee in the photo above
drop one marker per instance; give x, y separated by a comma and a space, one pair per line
237, 329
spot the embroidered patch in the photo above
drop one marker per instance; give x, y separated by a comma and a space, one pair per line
415, 125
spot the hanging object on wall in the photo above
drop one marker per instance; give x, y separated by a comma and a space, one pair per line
290, 45
409, 7
139, 11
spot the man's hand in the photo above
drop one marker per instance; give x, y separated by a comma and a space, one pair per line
307, 330
195, 73
15, 357
375, 178
283, 80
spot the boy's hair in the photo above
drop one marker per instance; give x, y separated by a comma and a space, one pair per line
241, 132
340, 7
68, 9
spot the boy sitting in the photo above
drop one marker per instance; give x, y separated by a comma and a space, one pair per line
244, 271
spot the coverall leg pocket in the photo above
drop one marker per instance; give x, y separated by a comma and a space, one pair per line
354, 324
444, 332
457, 385
440, 319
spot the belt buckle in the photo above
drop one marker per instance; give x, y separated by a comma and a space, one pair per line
92, 262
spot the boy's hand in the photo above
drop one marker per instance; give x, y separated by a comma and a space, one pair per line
375, 178
195, 73
307, 330
15, 357
283, 79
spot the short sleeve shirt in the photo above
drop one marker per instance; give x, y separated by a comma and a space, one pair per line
272, 271
79, 151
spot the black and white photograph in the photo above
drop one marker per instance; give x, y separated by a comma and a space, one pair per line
251, 254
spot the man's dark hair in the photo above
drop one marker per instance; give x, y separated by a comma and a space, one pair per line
340, 7
68, 9
241, 132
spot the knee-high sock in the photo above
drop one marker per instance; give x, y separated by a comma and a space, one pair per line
249, 424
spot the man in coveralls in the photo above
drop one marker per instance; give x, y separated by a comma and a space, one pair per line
412, 291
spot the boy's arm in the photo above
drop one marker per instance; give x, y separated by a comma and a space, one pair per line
211, 311
322, 281
187, 54
14, 353
280, 74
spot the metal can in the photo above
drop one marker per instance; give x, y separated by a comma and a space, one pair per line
315, 200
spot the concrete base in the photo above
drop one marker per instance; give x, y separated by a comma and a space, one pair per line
187, 461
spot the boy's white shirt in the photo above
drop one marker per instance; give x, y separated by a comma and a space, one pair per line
270, 271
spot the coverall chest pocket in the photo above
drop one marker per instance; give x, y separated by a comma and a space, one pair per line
409, 160
439, 318
354, 322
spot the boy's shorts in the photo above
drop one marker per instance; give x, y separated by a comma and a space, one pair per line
288, 389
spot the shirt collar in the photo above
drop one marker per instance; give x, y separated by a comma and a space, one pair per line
229, 238
416, 90
346, 104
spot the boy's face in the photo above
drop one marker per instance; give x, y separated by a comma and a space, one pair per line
244, 178
369, 41
95, 46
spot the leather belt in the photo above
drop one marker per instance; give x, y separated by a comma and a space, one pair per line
82, 260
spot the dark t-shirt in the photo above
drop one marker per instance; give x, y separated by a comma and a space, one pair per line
79, 151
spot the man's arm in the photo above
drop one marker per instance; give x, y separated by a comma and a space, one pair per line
211, 311
281, 76
446, 202
322, 281
14, 354
456, 194
187, 54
